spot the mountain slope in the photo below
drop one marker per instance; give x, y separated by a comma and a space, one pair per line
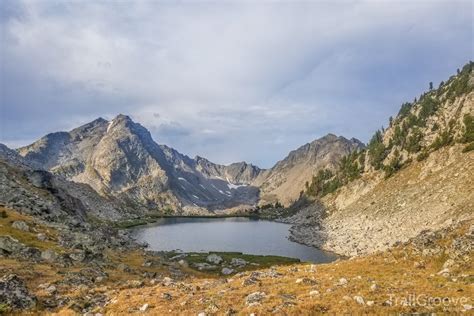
120, 159
285, 181
42, 194
416, 175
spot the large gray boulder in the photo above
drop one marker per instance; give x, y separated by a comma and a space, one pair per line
214, 259
21, 225
10, 246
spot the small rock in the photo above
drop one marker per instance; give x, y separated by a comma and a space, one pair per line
213, 258
255, 297
135, 284
467, 307
314, 293
183, 263
359, 300
204, 266
41, 237
374, 287
49, 255
167, 281
21, 225
227, 271
78, 255
166, 296
370, 303
212, 308
306, 281
449, 264
202, 314
123, 267
419, 265
51, 289
347, 298
238, 262
250, 281
144, 308
342, 281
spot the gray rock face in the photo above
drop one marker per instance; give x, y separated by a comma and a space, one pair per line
14, 293
285, 181
120, 159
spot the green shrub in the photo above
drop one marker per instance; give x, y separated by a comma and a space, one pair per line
377, 151
4, 309
422, 156
404, 110
468, 135
460, 84
394, 165
349, 168
413, 144
444, 138
429, 106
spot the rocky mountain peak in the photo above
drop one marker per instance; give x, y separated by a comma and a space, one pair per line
284, 182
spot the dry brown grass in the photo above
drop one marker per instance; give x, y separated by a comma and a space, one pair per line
392, 271
28, 238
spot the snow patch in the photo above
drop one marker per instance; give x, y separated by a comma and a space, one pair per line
235, 186
197, 197
110, 125
182, 179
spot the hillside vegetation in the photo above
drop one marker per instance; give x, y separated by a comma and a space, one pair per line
438, 118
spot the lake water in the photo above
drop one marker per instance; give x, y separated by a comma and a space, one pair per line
246, 235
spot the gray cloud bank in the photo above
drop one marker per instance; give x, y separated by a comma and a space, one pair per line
226, 80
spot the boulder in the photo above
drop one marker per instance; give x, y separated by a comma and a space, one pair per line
14, 294
227, 271
49, 255
21, 225
214, 259
238, 262
78, 255
203, 266
10, 246
255, 297
359, 300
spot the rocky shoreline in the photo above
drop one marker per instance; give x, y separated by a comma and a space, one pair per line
368, 225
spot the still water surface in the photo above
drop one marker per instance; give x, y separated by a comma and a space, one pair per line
246, 235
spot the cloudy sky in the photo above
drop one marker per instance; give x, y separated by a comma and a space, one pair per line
230, 81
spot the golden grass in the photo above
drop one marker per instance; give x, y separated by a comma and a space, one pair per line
393, 271
28, 238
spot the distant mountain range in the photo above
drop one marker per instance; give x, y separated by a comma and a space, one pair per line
120, 160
